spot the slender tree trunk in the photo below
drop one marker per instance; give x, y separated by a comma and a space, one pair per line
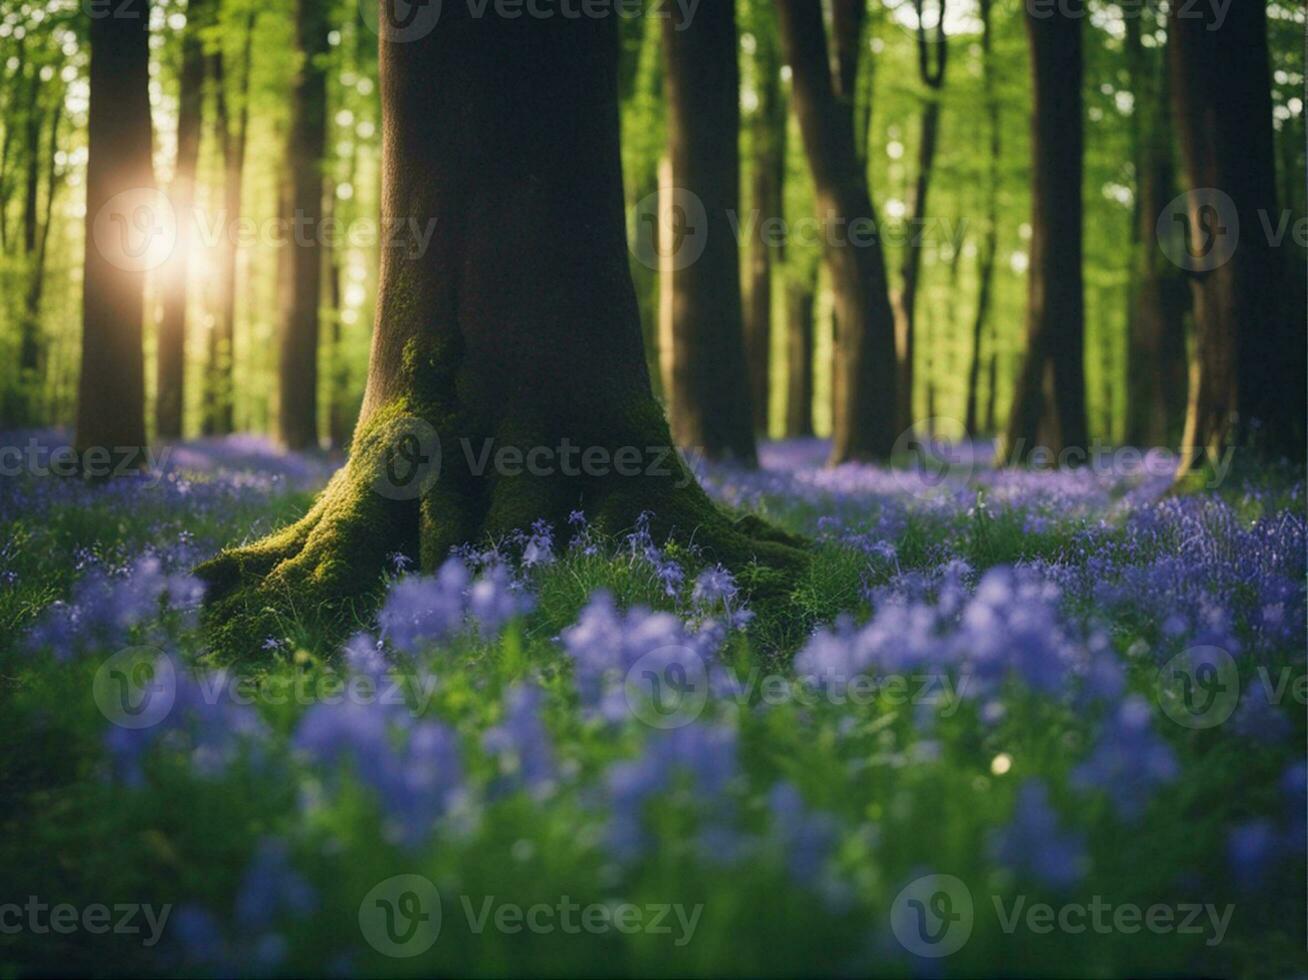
219, 414
932, 57
768, 129
1156, 359
801, 288
32, 161
1049, 405
119, 177
711, 396
6, 145
990, 240
31, 346
864, 377
298, 371
1247, 380
515, 156
171, 377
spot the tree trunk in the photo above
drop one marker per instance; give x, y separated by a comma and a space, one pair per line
711, 397
31, 346
32, 159
219, 415
768, 129
1247, 380
1049, 405
120, 223
932, 57
171, 378
298, 367
864, 377
800, 290
516, 333
1156, 361
990, 240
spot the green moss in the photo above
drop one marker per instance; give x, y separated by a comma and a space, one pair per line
320, 578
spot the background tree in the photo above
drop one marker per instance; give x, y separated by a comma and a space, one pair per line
1156, 365
767, 134
298, 413
121, 220
232, 137
1248, 376
171, 374
710, 394
1049, 405
989, 246
863, 385
932, 58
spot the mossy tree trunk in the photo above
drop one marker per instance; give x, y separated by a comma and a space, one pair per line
514, 335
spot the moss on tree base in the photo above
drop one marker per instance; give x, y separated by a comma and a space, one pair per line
321, 577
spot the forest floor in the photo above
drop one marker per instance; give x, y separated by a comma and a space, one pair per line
1029, 722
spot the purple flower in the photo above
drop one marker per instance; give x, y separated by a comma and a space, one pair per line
1033, 845
521, 744
1129, 761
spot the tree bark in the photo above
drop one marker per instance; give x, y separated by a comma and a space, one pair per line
170, 397
219, 415
800, 295
768, 129
298, 366
865, 367
990, 240
711, 396
1156, 361
32, 346
111, 390
515, 330
1247, 379
932, 58
1049, 405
